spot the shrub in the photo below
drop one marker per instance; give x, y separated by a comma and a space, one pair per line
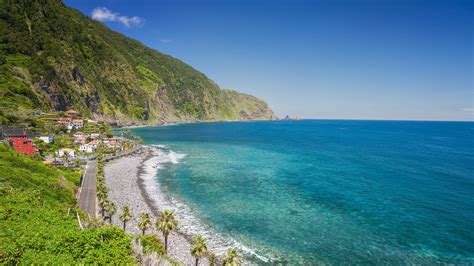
35, 227
151, 243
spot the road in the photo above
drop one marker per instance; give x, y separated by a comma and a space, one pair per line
87, 197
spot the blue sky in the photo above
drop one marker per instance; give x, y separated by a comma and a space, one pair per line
317, 59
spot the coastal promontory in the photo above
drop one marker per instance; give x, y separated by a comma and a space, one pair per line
53, 58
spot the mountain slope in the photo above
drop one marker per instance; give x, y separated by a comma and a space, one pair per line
53, 57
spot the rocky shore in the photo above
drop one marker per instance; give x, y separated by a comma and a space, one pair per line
126, 188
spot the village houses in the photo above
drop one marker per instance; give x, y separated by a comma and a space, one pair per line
71, 120
87, 148
69, 152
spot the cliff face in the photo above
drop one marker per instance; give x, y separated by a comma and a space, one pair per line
53, 57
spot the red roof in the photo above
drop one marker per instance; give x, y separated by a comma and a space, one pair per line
23, 145
65, 120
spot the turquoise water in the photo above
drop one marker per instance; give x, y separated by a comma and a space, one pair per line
303, 192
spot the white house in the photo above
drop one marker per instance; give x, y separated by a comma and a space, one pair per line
87, 148
94, 144
47, 139
69, 152
77, 123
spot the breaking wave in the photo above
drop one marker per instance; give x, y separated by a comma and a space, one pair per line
189, 224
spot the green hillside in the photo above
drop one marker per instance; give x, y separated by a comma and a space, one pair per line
53, 57
35, 227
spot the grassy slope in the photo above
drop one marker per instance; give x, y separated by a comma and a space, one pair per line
34, 226
54, 57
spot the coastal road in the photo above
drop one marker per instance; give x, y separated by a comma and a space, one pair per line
87, 197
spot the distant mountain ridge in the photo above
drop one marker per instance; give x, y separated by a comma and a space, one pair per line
53, 57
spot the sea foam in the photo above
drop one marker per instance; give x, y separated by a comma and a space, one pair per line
188, 224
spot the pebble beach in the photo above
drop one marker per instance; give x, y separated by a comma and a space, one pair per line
123, 177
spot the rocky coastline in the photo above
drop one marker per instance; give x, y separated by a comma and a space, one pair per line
123, 177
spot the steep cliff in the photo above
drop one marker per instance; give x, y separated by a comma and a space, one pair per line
53, 57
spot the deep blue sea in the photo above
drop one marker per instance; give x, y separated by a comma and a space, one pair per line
327, 191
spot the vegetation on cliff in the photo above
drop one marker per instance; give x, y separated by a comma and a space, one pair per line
38, 223
53, 57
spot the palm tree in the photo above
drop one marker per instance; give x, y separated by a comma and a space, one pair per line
199, 248
125, 216
232, 258
101, 194
101, 191
166, 223
144, 222
110, 210
101, 148
103, 202
212, 259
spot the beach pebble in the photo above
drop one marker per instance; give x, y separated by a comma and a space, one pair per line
122, 177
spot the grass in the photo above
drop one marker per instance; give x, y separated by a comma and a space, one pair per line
35, 227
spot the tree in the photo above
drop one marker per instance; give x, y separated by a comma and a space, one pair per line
198, 248
144, 222
101, 191
110, 210
212, 259
232, 258
101, 148
166, 223
66, 157
103, 202
125, 216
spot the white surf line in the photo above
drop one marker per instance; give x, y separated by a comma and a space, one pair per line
189, 224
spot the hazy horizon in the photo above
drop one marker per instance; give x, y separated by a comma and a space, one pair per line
390, 60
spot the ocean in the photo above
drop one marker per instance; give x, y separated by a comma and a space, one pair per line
324, 191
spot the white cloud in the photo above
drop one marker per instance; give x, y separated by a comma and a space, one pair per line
165, 41
104, 14
468, 110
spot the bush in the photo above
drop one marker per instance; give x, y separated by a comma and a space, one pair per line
35, 227
151, 243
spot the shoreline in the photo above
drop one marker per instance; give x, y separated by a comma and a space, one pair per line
146, 197
152, 203
193, 122
126, 178
362, 234
126, 188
